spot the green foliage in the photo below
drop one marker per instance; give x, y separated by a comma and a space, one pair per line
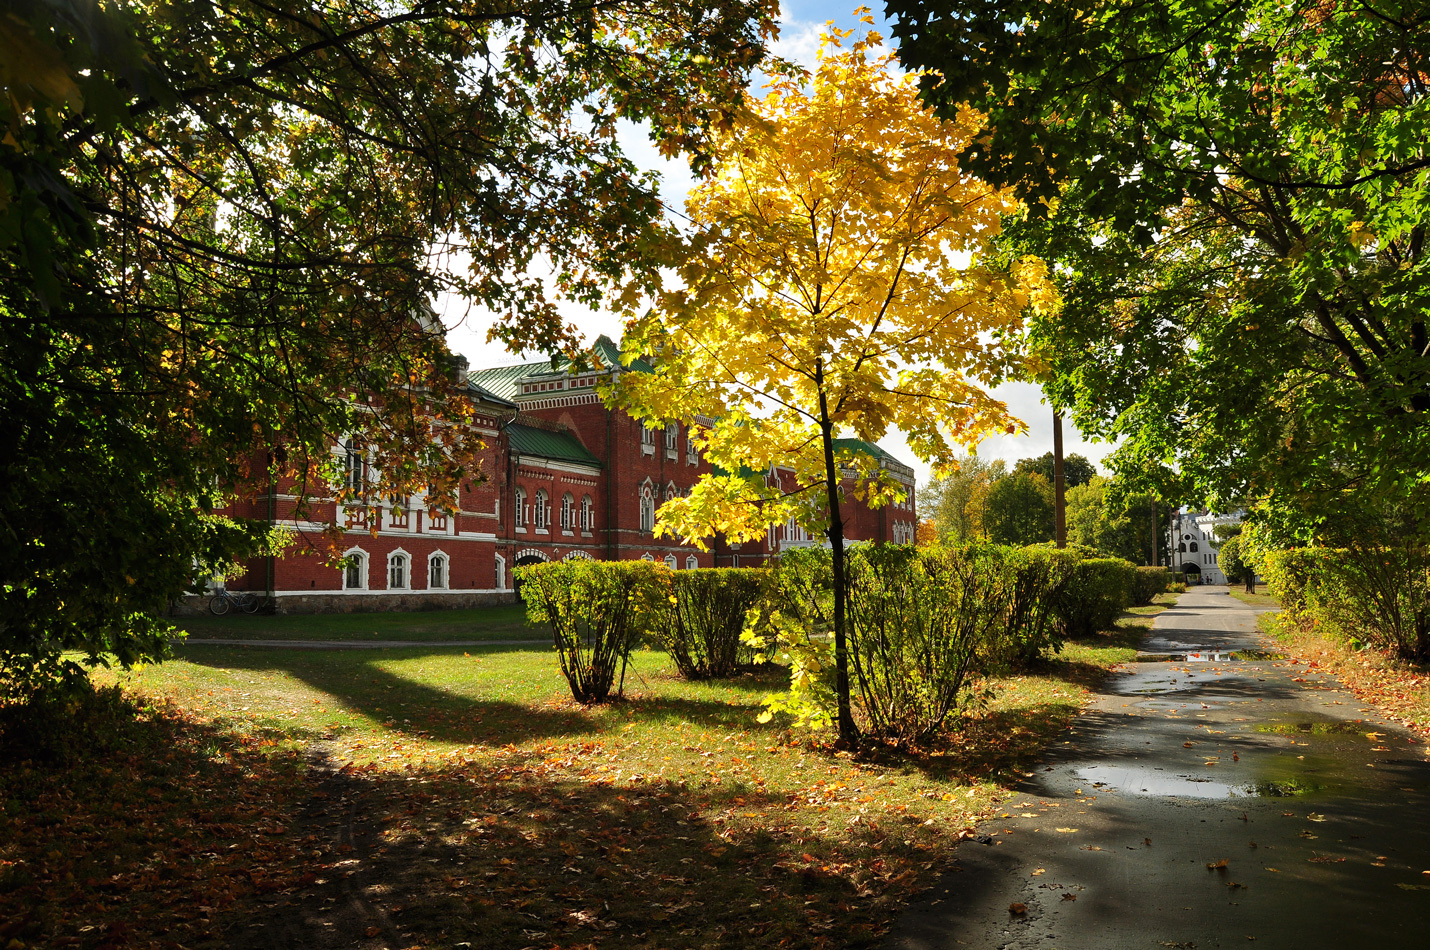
706, 618
220, 227
1077, 470
956, 502
1035, 578
1104, 516
1095, 594
1148, 583
1365, 596
918, 620
59, 726
597, 612
1019, 510
1237, 568
794, 624
1236, 201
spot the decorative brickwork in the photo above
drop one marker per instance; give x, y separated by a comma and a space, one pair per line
565, 477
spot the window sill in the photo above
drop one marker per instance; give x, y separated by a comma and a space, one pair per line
567, 534
670, 454
647, 450
585, 534
521, 531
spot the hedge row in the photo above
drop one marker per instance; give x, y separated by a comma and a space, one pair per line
920, 621
1373, 596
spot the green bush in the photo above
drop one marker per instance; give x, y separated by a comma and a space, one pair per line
1094, 595
706, 616
918, 621
1148, 583
1035, 576
597, 611
1378, 596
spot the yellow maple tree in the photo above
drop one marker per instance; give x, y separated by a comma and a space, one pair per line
832, 286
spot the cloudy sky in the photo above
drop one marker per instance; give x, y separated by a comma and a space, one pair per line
801, 23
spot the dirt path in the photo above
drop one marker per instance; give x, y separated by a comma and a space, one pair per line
1204, 800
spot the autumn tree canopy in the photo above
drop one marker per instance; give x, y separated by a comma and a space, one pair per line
220, 226
832, 285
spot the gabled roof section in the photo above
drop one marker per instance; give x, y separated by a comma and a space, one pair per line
860, 447
548, 444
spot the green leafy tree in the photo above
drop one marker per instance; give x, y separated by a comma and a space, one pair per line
1019, 509
1105, 516
1236, 197
220, 226
1237, 568
1077, 470
956, 502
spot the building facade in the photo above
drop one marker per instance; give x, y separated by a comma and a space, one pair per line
1194, 544
563, 477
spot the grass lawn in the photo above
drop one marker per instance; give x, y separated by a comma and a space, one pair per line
1255, 600
458, 796
506, 622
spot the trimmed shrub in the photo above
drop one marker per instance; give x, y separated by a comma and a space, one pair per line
918, 620
1093, 596
705, 618
1034, 576
1377, 596
1148, 583
597, 611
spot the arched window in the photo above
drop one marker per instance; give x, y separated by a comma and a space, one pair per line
568, 512
1182, 547
588, 513
354, 467
691, 563
397, 573
672, 435
437, 571
1192, 547
647, 557
355, 571
691, 455
670, 561
647, 436
521, 508
647, 504
501, 572
671, 491
542, 511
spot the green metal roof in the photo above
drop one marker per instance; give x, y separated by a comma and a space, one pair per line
501, 381
860, 447
543, 443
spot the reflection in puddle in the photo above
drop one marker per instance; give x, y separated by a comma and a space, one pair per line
1210, 656
1143, 781
1147, 781
1329, 728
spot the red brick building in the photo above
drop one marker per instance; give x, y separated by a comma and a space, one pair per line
565, 477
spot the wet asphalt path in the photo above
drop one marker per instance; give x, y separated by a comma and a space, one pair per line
1320, 811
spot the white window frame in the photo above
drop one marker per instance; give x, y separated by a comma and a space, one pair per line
647, 506
501, 572
446, 562
692, 563
670, 562
692, 456
588, 513
542, 511
521, 508
362, 567
406, 569
672, 435
568, 512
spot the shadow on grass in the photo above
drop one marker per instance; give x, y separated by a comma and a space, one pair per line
203, 837
407, 706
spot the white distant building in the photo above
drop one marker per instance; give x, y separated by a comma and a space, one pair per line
1195, 545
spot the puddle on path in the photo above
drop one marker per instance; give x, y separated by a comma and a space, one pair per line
1151, 781
1330, 728
1210, 656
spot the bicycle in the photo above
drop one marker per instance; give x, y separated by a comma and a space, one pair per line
222, 600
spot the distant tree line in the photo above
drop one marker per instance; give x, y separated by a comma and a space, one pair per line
987, 500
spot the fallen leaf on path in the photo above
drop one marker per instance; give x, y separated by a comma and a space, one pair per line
1069, 897
1067, 831
1217, 865
1017, 909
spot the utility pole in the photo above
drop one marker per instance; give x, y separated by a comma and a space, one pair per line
1154, 530
1059, 484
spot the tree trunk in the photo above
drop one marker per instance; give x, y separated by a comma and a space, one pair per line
848, 731
1155, 528
1060, 513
